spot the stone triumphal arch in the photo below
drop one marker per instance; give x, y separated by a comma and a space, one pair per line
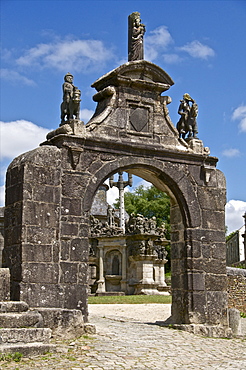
50, 192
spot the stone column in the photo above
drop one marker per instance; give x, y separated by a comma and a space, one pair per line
123, 273
162, 274
101, 281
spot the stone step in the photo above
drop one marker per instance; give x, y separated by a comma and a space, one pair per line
24, 335
32, 349
21, 320
13, 306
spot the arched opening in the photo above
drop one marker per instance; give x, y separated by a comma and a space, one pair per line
180, 219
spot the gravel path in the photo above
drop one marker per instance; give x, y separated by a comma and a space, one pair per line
127, 338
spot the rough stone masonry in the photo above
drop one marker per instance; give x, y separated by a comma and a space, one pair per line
49, 193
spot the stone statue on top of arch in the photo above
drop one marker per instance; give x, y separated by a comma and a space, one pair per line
136, 31
70, 107
187, 123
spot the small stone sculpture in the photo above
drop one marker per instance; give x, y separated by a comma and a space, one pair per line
136, 31
110, 216
70, 106
187, 122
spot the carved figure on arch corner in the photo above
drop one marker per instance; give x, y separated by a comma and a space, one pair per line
187, 123
70, 106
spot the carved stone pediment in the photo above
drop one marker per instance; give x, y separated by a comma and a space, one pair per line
140, 74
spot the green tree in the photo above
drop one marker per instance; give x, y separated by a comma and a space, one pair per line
148, 202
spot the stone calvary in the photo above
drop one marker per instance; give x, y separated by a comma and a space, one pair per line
50, 191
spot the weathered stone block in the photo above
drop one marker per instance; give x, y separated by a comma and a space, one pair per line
79, 250
46, 193
213, 219
69, 272
63, 322
14, 194
177, 250
37, 253
40, 235
198, 307
75, 295
216, 282
43, 215
217, 308
219, 251
25, 335
82, 273
212, 198
214, 266
41, 294
14, 235
73, 184
20, 320
37, 272
13, 215
69, 229
12, 256
4, 284
194, 249
28, 349
235, 322
196, 281
71, 206
13, 306
15, 175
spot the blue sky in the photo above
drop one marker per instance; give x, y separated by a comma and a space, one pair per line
200, 44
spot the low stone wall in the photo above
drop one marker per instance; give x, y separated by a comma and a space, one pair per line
236, 288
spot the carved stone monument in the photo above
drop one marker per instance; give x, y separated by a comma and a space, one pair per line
50, 192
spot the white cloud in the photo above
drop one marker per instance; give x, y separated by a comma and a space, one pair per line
171, 58
240, 114
197, 50
142, 182
158, 40
15, 77
76, 55
86, 114
231, 153
20, 136
112, 195
234, 211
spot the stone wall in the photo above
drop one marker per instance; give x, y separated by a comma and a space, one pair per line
236, 288
1, 233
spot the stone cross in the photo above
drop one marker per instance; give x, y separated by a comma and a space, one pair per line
121, 184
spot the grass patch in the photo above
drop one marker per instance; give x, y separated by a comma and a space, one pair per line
130, 299
11, 357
